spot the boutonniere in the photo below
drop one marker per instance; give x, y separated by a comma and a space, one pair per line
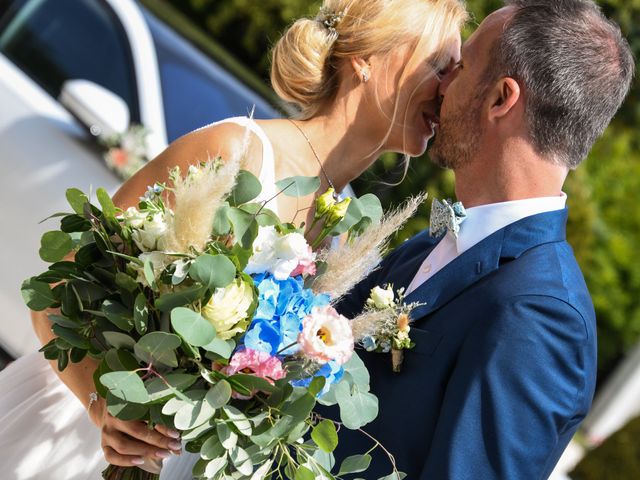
384, 325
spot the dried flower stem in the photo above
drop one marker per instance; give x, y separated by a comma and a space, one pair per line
352, 262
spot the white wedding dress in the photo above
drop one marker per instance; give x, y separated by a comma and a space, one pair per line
45, 432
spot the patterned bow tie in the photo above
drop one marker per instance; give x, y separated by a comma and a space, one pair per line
446, 216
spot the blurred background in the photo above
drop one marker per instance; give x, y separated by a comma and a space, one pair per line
78, 76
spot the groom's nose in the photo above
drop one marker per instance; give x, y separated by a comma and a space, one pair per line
444, 84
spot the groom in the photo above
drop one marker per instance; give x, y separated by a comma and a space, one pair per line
503, 370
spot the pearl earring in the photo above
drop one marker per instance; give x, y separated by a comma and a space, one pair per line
365, 75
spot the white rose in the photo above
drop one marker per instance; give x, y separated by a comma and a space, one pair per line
151, 236
158, 260
289, 250
228, 308
263, 251
381, 298
133, 217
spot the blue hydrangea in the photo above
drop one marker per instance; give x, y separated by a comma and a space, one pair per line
331, 370
282, 305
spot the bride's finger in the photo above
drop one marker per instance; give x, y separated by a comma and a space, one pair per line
115, 458
123, 444
142, 432
169, 432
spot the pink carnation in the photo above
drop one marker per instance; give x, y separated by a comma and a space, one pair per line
326, 335
253, 362
306, 264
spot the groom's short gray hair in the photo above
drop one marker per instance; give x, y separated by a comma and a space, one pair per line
576, 69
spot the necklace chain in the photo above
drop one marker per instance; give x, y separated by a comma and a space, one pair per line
324, 172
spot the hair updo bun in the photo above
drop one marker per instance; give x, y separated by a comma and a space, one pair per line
301, 65
305, 60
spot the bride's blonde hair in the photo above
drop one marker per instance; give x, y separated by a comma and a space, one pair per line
305, 60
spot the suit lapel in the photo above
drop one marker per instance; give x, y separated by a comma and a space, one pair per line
484, 258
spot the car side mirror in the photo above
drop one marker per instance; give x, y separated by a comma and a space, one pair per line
98, 108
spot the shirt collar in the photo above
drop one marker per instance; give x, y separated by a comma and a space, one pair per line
485, 220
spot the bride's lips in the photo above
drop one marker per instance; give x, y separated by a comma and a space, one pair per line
431, 121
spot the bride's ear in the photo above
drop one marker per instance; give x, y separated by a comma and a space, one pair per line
504, 97
362, 68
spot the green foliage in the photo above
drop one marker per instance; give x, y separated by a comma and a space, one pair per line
617, 458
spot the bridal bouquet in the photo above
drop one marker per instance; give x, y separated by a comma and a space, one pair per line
215, 318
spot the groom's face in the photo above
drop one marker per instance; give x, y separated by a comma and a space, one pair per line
464, 94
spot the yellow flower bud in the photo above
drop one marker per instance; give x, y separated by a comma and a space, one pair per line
338, 211
324, 203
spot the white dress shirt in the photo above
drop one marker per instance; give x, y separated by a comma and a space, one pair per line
481, 222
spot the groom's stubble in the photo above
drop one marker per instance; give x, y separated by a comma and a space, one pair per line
459, 134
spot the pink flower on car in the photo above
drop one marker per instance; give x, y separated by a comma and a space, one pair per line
326, 335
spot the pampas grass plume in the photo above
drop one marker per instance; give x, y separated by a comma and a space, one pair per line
352, 262
197, 198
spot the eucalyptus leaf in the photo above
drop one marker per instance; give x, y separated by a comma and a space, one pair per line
158, 347
158, 389
246, 189
221, 224
191, 416
238, 419
228, 438
213, 271
324, 434
224, 348
126, 386
245, 227
192, 326
303, 473
354, 464
241, 460
125, 410
299, 186
169, 301
357, 408
215, 466
212, 448
219, 395
394, 476
55, 245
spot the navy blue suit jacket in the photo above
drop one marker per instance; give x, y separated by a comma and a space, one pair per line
504, 366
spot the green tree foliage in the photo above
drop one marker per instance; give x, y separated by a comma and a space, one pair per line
604, 226
618, 458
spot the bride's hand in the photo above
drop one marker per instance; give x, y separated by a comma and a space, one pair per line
133, 443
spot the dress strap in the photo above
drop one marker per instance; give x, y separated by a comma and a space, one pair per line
267, 175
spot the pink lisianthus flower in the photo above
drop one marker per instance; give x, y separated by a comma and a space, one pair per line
306, 264
253, 362
326, 335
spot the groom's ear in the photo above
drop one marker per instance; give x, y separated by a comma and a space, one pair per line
504, 97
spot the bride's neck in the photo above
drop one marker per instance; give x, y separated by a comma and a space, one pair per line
344, 148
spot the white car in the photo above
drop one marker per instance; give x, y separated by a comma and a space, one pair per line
71, 69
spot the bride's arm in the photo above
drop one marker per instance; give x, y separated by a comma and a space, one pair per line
125, 443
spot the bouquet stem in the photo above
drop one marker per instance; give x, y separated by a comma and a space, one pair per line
397, 357
113, 472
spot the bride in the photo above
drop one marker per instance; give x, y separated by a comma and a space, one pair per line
364, 75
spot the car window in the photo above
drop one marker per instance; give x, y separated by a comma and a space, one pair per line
197, 91
57, 40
